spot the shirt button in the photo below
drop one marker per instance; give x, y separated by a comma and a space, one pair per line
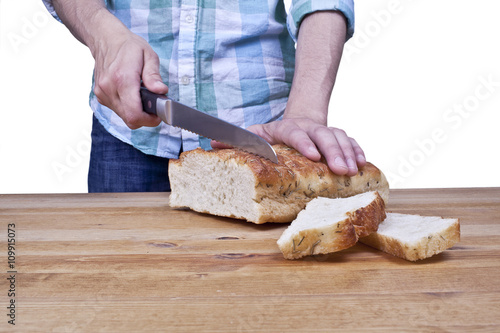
189, 18
185, 80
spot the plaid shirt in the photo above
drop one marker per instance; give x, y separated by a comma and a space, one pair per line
233, 59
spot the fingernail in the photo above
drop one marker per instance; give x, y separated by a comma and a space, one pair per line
339, 161
351, 164
313, 151
361, 158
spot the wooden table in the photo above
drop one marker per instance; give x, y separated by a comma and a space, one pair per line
127, 262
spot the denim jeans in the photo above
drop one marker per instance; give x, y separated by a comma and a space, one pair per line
116, 166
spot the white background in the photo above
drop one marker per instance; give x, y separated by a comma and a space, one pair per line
406, 74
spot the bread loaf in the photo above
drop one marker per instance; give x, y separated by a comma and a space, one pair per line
329, 225
414, 237
233, 183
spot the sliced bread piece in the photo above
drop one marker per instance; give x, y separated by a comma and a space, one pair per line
330, 225
233, 183
414, 237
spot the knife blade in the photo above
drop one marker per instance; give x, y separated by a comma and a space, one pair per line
185, 117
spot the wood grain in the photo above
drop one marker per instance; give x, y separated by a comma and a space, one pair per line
127, 262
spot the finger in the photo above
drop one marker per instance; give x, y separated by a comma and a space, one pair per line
151, 73
129, 105
360, 155
289, 133
263, 131
219, 145
345, 145
301, 141
286, 132
329, 146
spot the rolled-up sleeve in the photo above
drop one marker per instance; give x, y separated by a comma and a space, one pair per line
300, 8
50, 7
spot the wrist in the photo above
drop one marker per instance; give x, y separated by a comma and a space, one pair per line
312, 112
89, 21
308, 101
102, 29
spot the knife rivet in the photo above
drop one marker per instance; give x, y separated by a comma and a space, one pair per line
150, 104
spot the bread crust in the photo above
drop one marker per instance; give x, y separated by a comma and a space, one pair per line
424, 248
367, 219
336, 236
333, 238
282, 190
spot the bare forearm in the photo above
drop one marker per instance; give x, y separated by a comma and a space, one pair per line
88, 20
304, 125
123, 60
319, 49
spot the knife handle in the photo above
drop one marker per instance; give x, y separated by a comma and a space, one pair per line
149, 100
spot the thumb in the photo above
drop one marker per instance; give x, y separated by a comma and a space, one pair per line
151, 75
263, 131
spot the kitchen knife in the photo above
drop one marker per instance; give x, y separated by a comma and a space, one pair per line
180, 115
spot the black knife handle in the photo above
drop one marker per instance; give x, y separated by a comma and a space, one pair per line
149, 99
